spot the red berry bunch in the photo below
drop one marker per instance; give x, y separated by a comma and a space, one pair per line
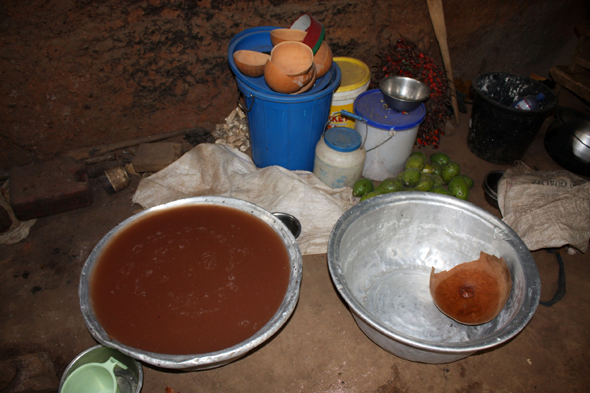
404, 58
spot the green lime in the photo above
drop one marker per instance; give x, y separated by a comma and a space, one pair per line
440, 190
411, 177
438, 181
361, 187
389, 185
469, 181
426, 182
437, 168
440, 158
458, 188
415, 161
429, 168
432, 168
419, 153
449, 171
410, 189
370, 195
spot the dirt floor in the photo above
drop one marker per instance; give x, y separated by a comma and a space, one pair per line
320, 349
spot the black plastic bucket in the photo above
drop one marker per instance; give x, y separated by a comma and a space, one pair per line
498, 133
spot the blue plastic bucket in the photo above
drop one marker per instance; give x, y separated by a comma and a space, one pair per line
284, 128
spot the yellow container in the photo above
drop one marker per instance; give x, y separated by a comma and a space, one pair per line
356, 77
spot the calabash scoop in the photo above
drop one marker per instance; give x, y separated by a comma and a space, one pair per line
472, 293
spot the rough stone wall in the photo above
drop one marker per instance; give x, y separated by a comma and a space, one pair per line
77, 73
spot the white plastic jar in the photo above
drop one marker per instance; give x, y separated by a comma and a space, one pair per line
339, 157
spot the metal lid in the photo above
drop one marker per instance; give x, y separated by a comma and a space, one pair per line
377, 113
342, 139
355, 73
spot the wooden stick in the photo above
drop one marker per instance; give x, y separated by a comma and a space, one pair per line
437, 16
94, 151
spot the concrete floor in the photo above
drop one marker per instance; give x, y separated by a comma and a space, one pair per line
320, 349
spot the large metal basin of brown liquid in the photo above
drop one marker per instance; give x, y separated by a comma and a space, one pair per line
98, 305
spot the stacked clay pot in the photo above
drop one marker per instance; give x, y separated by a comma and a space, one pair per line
291, 67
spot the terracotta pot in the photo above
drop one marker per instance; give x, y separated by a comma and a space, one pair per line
280, 82
281, 35
294, 58
323, 59
250, 63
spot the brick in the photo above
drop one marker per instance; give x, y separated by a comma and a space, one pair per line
49, 188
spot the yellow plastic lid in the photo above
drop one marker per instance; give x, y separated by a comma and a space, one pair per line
355, 73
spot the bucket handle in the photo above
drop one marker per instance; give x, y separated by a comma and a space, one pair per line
242, 106
392, 132
345, 113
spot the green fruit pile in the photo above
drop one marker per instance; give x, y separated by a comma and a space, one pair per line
439, 175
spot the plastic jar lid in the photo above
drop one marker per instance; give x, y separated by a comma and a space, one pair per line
342, 139
355, 73
371, 107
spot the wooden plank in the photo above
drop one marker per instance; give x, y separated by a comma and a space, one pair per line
577, 83
95, 151
437, 16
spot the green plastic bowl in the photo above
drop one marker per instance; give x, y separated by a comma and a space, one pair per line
94, 378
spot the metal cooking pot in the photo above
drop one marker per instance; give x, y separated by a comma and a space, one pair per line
568, 140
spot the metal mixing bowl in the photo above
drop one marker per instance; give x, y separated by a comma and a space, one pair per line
402, 93
380, 255
204, 360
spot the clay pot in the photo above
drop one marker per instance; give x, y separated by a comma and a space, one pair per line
323, 59
280, 82
472, 293
311, 82
294, 58
281, 35
250, 63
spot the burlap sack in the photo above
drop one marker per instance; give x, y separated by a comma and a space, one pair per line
547, 209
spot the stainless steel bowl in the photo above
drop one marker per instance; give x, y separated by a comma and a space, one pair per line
402, 93
205, 360
380, 254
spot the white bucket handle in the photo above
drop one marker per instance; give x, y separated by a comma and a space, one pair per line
392, 132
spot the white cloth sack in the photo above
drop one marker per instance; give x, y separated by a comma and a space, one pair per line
547, 209
210, 169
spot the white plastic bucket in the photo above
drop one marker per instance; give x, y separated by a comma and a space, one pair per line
388, 136
356, 77
387, 151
